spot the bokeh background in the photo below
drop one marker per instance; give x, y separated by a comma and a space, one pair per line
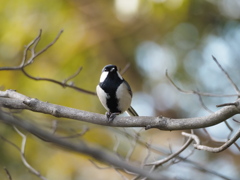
153, 36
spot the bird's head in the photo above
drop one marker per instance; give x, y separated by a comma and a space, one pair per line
110, 70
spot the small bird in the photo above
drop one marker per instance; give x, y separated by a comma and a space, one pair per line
114, 93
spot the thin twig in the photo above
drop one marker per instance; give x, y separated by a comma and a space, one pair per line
192, 136
236, 120
197, 92
9, 142
25, 62
8, 173
227, 104
72, 76
230, 129
33, 42
125, 68
59, 83
221, 148
228, 77
237, 146
50, 44
32, 170
227, 124
164, 160
203, 105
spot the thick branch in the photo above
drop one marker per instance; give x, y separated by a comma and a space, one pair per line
14, 100
95, 152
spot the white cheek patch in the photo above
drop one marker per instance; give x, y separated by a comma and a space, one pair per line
103, 76
119, 75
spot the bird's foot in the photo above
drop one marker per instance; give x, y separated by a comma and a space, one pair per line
111, 116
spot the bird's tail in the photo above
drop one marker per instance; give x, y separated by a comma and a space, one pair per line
132, 112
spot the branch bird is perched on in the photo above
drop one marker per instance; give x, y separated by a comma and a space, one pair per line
114, 93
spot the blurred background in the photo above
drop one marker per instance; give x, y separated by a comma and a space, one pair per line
153, 36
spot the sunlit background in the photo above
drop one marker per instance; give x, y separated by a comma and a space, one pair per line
154, 36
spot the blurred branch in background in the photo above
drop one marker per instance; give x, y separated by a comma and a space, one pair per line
97, 153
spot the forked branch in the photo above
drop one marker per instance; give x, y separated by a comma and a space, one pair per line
26, 61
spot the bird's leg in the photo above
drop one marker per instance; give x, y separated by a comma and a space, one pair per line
111, 116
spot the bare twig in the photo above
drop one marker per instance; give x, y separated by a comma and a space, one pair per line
227, 104
9, 142
8, 173
237, 146
203, 105
236, 120
228, 77
63, 84
46, 47
197, 92
125, 68
25, 62
221, 148
192, 136
227, 124
230, 129
164, 160
72, 76
32, 170
25, 52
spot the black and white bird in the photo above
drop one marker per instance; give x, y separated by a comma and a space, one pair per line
114, 93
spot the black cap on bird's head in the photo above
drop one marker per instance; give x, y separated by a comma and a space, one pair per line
110, 68
110, 71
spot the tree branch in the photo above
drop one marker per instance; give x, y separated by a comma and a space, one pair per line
95, 152
166, 159
14, 100
197, 92
32, 170
8, 173
227, 75
221, 148
27, 61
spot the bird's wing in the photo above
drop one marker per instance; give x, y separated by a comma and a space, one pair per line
129, 88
